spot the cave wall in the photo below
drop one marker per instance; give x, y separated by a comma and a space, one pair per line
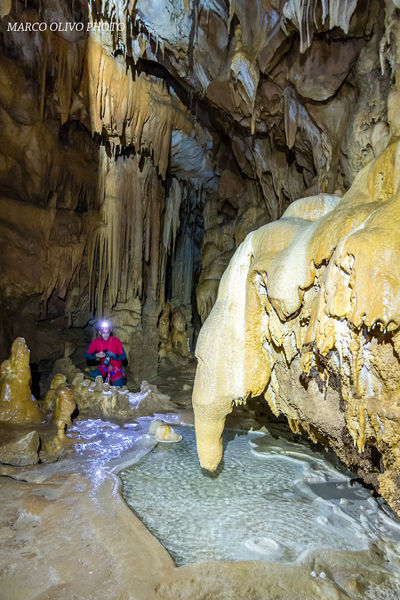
48, 181
305, 88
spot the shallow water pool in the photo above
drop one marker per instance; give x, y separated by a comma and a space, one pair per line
270, 499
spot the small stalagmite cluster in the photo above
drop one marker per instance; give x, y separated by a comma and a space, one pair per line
70, 394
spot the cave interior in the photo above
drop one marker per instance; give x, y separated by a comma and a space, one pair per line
218, 180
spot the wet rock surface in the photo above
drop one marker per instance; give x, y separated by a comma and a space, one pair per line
71, 512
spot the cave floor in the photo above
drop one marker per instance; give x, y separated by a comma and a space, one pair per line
66, 532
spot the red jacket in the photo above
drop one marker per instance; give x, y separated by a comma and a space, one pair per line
113, 344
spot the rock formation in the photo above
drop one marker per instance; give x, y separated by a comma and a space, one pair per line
49, 402
65, 406
71, 390
179, 334
163, 432
22, 451
17, 405
308, 316
173, 332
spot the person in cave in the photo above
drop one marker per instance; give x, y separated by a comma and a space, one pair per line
109, 350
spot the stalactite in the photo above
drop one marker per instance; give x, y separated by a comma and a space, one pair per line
133, 112
304, 15
61, 60
67, 59
247, 73
299, 13
340, 13
131, 204
297, 118
43, 86
171, 219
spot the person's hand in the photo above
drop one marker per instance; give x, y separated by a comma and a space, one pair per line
112, 355
100, 355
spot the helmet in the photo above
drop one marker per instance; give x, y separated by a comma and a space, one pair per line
104, 326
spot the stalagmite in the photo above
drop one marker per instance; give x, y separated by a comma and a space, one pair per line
165, 433
65, 406
179, 334
17, 405
165, 331
50, 400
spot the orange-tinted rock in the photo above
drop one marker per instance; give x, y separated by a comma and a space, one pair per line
17, 405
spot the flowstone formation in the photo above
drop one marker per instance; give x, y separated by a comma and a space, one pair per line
308, 315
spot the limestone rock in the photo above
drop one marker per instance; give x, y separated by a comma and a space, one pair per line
52, 450
318, 83
149, 399
65, 406
308, 315
49, 401
22, 451
165, 433
154, 425
17, 404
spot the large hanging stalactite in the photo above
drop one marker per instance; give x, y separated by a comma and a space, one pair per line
311, 297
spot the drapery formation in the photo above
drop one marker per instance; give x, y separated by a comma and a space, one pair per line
308, 315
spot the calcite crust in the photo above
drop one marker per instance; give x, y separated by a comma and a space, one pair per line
308, 315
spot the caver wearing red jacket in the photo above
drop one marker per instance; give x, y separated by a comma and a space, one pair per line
111, 353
